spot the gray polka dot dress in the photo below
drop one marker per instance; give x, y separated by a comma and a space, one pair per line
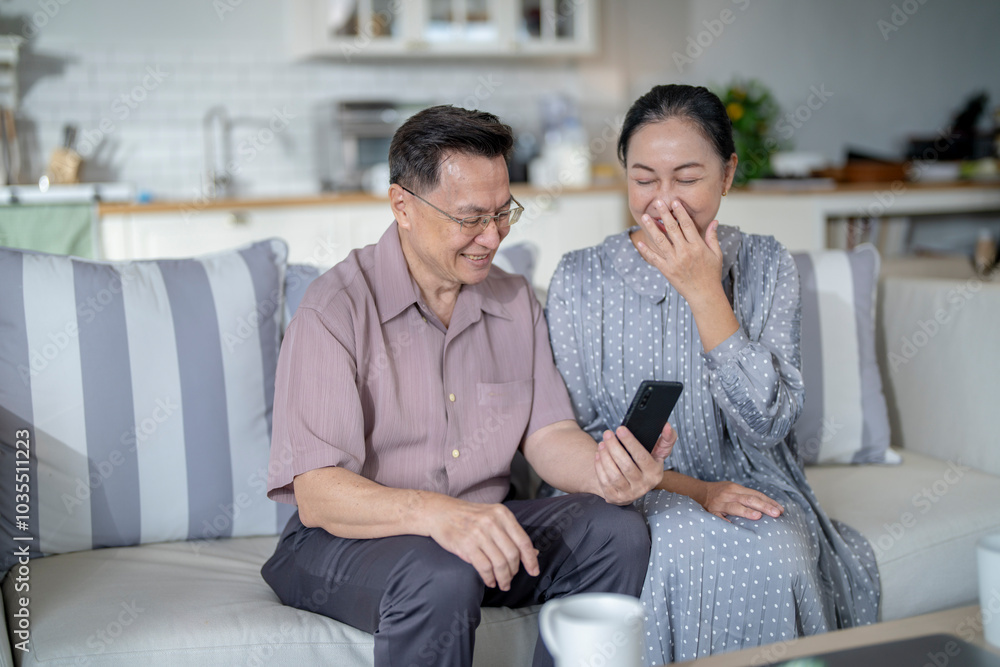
713, 586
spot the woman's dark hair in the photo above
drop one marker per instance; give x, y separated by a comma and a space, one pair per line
694, 103
427, 137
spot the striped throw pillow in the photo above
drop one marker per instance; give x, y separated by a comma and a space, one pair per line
136, 398
297, 281
844, 418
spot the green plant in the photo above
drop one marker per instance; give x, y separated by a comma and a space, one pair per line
753, 112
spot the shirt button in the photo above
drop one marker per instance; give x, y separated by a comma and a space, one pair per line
451, 397
454, 453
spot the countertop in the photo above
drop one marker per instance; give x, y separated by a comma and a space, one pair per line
792, 188
520, 190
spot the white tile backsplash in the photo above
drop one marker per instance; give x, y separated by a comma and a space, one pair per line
156, 141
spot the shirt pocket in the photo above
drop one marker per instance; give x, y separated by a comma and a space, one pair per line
503, 412
499, 394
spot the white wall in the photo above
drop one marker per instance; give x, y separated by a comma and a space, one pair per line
99, 24
886, 84
92, 51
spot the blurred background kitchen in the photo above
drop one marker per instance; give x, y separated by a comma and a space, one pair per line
237, 110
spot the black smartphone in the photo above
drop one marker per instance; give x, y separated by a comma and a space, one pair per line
650, 409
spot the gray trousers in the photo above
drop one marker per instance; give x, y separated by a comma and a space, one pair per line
422, 603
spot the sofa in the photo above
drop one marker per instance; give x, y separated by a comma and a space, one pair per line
142, 536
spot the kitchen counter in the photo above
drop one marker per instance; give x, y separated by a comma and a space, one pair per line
793, 188
804, 220
519, 190
321, 230
807, 220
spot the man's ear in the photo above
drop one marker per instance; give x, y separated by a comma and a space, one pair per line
397, 201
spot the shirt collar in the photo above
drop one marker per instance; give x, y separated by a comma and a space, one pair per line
645, 279
482, 296
395, 290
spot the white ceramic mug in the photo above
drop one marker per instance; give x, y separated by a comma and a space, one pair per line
988, 553
592, 630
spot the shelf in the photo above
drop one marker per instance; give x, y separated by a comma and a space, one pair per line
376, 29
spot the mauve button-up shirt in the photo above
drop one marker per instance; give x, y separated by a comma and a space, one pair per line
370, 380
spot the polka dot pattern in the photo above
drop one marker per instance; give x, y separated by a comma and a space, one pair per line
713, 586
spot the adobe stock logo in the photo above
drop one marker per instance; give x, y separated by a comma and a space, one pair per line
925, 330
48, 9
899, 16
122, 108
714, 28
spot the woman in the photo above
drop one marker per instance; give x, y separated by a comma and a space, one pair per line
742, 553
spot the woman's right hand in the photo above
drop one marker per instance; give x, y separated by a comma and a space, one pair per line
731, 499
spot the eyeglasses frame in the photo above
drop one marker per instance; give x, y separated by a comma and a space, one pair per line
473, 221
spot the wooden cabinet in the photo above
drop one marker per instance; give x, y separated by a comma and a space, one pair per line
351, 29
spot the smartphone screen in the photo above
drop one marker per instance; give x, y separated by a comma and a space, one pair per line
651, 407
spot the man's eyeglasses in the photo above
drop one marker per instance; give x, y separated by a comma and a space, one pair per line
477, 223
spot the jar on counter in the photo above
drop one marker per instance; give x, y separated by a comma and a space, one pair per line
985, 255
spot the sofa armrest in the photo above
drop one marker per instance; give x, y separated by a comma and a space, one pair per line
939, 361
6, 658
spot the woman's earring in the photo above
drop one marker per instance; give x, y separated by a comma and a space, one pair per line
725, 192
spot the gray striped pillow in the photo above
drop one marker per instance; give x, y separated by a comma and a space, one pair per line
142, 393
844, 418
297, 281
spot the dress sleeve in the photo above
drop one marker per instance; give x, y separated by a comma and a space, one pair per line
566, 349
758, 383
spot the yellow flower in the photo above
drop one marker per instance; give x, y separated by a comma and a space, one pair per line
735, 111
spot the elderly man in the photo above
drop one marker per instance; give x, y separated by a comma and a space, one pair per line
409, 376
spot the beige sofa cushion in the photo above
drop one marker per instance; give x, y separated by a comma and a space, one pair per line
939, 359
923, 519
204, 603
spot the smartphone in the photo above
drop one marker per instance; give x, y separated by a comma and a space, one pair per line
651, 406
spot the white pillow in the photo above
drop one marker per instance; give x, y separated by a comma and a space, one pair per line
844, 418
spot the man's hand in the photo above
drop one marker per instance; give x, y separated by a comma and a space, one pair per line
625, 470
488, 537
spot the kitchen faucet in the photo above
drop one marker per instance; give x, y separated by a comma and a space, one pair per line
217, 128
